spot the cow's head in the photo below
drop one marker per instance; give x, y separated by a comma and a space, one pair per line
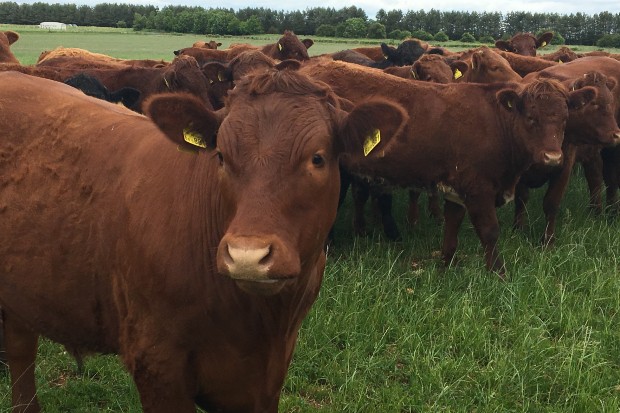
524, 44
405, 54
290, 47
184, 75
277, 150
539, 114
433, 68
7, 38
487, 67
592, 110
222, 76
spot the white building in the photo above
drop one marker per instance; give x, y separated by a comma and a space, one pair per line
53, 26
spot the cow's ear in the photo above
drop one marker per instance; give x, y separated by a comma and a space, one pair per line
308, 43
459, 68
503, 45
219, 44
290, 64
184, 119
581, 97
388, 51
216, 72
414, 70
368, 129
544, 39
11, 36
611, 83
508, 99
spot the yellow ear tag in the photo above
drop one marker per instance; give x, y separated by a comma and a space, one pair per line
543, 44
371, 141
457, 73
279, 47
194, 138
560, 61
414, 74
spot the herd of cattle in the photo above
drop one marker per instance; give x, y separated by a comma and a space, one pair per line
191, 241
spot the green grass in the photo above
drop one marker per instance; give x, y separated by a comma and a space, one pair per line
395, 331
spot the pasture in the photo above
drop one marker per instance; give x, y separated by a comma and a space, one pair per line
393, 330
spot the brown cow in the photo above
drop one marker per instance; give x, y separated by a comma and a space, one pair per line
7, 38
592, 121
182, 75
169, 258
524, 44
479, 65
606, 166
563, 54
222, 76
211, 44
287, 47
473, 140
524, 65
486, 66
85, 59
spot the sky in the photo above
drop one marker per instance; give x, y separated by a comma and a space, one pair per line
372, 6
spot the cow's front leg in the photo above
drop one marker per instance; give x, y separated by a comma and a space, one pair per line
453, 217
161, 379
484, 219
555, 192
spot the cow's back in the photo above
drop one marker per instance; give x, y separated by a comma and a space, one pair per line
90, 160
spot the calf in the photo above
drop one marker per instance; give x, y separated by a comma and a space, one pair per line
197, 269
473, 140
604, 167
591, 121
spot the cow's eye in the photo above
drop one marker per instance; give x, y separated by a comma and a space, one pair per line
318, 160
220, 157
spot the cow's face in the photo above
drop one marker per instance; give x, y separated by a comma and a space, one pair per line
592, 110
524, 44
290, 47
488, 67
277, 153
184, 75
540, 113
433, 68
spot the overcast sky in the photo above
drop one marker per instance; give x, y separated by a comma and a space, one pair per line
372, 6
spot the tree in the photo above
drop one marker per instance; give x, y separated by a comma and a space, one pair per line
468, 38
376, 31
354, 27
326, 30
251, 26
441, 37
422, 35
139, 22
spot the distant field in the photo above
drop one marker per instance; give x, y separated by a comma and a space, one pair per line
393, 330
127, 44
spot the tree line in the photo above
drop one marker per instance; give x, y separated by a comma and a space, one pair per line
575, 28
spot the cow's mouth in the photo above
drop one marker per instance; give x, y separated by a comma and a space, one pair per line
264, 287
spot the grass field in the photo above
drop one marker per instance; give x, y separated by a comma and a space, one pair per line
393, 330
